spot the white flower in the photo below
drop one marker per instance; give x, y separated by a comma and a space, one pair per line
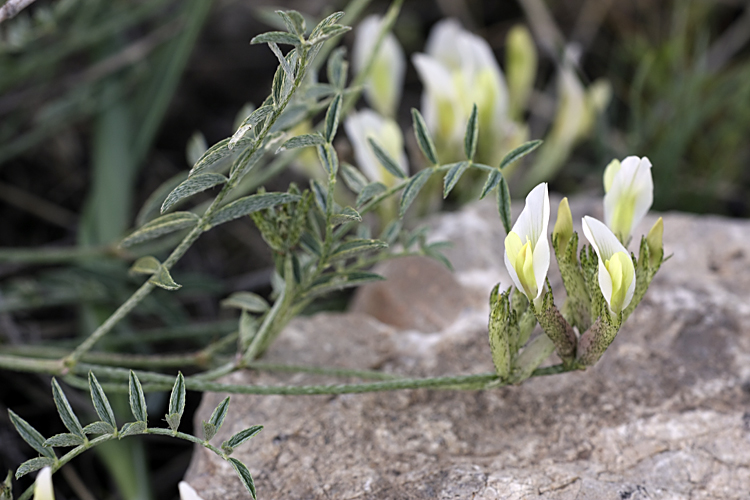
187, 492
616, 270
368, 124
527, 255
459, 70
43, 485
386, 79
629, 194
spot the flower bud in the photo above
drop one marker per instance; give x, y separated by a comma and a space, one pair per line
563, 230
521, 64
655, 243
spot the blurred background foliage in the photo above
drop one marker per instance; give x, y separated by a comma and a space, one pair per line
98, 99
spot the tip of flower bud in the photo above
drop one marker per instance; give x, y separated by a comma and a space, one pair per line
563, 229
610, 172
655, 242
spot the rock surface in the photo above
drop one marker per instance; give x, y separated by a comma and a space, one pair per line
665, 414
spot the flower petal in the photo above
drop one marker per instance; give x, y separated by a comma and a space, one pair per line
534, 218
187, 492
629, 197
43, 485
605, 245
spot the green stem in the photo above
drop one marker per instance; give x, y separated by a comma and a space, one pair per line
202, 225
187, 437
59, 255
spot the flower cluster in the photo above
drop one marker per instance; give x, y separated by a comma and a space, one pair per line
603, 288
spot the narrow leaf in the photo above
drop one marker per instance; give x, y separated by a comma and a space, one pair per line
276, 37
339, 281
163, 279
294, 21
321, 195
348, 214
385, 159
423, 137
310, 243
357, 246
191, 186
519, 152
329, 159
331, 19
177, 402
217, 417
30, 435
302, 141
101, 403
137, 399
217, 152
330, 32
353, 178
472, 134
282, 60
145, 265
453, 175
34, 465
369, 192
98, 428
391, 232
337, 68
332, 118
244, 475
503, 204
242, 436
247, 301
162, 225
69, 419
132, 428
64, 440
493, 179
249, 204
412, 189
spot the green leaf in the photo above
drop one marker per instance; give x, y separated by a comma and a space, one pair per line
282, 61
310, 243
472, 134
137, 399
332, 118
30, 435
329, 159
256, 117
250, 204
34, 465
348, 214
391, 232
244, 475
493, 179
163, 279
453, 175
302, 141
412, 189
503, 204
152, 205
353, 178
329, 32
195, 148
385, 159
217, 417
277, 86
276, 37
294, 21
369, 192
240, 438
432, 252
247, 301
162, 225
321, 195
132, 428
191, 186
176, 403
101, 403
519, 152
64, 440
69, 419
356, 246
98, 428
423, 137
217, 152
337, 68
339, 281
331, 19
145, 265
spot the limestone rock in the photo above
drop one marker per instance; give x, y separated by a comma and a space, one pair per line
663, 415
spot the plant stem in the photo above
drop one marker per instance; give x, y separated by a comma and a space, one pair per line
202, 226
157, 431
58, 255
